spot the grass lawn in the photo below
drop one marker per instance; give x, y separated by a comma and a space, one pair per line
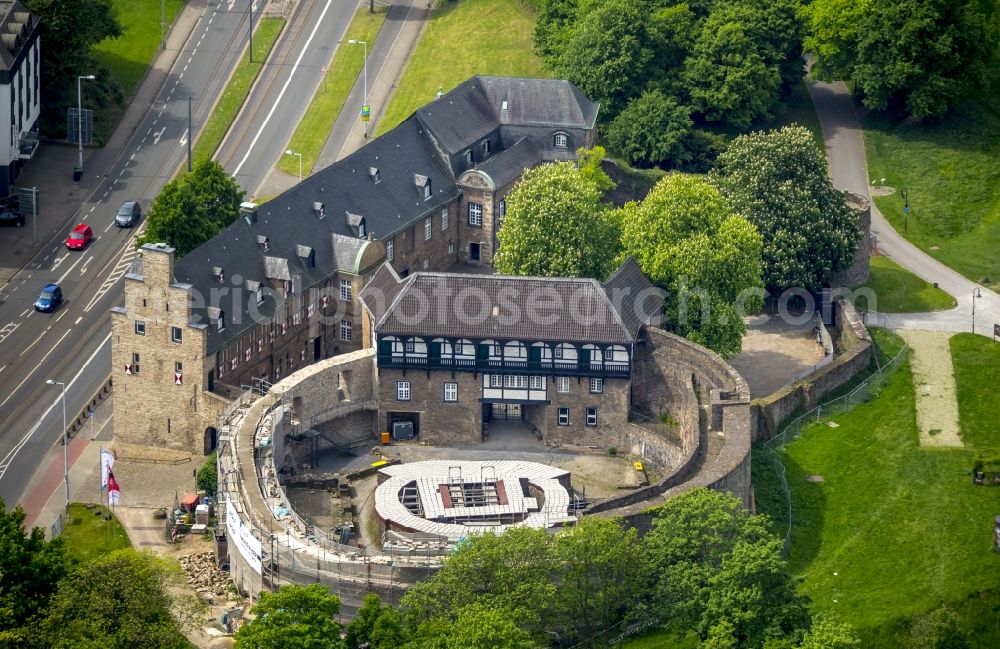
952, 175
977, 371
463, 39
899, 291
894, 531
128, 56
343, 70
88, 536
267, 32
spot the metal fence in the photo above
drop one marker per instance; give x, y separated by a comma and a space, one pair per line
865, 391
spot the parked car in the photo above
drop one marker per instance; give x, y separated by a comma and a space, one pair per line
128, 214
11, 218
79, 237
49, 299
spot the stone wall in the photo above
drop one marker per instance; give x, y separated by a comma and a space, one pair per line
854, 350
857, 273
320, 391
410, 247
675, 372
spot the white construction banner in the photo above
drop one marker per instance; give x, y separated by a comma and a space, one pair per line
240, 536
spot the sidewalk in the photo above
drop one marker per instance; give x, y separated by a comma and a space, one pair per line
51, 170
387, 61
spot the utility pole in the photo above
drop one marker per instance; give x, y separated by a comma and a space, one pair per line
250, 30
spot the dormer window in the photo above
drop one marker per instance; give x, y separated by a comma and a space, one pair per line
222, 320
560, 141
255, 288
374, 175
423, 183
486, 147
217, 273
319, 209
503, 105
468, 158
362, 230
262, 242
259, 294
306, 254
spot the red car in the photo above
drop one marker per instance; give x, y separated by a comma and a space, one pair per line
79, 237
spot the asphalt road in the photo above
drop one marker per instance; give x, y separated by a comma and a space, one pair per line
73, 344
281, 94
848, 164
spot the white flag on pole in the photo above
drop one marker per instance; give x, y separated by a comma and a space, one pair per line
107, 462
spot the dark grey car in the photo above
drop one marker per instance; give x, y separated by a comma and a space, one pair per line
128, 214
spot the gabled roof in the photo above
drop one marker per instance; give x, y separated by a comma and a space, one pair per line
637, 300
503, 307
17, 24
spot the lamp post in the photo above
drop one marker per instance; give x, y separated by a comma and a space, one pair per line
364, 100
290, 152
976, 294
79, 114
64, 439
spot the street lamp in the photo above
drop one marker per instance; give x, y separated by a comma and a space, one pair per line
364, 100
65, 439
290, 152
79, 114
976, 294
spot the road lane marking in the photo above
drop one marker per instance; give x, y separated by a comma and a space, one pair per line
284, 88
25, 350
61, 315
158, 135
25, 312
78, 321
58, 261
69, 270
109, 226
121, 268
8, 329
9, 458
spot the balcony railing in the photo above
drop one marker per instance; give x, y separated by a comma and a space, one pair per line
507, 366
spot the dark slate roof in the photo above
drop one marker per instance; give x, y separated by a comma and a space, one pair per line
511, 162
16, 26
539, 102
499, 307
475, 108
638, 301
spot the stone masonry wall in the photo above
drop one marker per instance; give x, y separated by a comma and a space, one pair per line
854, 350
442, 423
857, 273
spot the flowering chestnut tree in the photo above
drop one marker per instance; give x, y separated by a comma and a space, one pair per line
778, 179
556, 226
688, 240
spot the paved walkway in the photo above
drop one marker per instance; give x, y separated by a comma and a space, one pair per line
845, 148
51, 170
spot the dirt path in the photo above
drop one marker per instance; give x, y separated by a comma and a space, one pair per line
934, 384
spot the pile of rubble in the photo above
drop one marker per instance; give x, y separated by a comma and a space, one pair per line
203, 575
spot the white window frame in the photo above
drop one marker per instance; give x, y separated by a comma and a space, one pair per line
609, 354
451, 248
562, 384
135, 362
468, 157
485, 147
557, 352
496, 380
444, 218
428, 229
260, 295
560, 140
450, 391
427, 190
562, 417
591, 417
176, 335
427, 264
346, 290
596, 385
536, 382
501, 209
476, 214
409, 346
389, 249
402, 390
178, 367
346, 330
140, 327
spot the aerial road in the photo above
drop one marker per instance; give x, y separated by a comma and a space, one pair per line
72, 343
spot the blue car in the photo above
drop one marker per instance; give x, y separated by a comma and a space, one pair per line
49, 299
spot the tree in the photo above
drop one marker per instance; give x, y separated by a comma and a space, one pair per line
597, 574
192, 209
728, 78
207, 479
652, 130
69, 30
295, 617
556, 226
778, 179
121, 599
687, 240
510, 572
588, 161
30, 569
827, 633
719, 571
481, 627
359, 630
920, 56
